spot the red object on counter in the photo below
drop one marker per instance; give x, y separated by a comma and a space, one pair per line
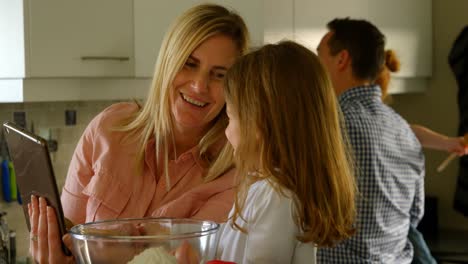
219, 262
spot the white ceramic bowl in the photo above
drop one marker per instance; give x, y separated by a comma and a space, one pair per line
145, 240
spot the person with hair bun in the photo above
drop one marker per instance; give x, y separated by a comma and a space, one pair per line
428, 138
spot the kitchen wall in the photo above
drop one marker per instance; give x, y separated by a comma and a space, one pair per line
48, 117
437, 107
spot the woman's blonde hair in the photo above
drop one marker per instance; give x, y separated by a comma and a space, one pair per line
392, 64
291, 136
154, 120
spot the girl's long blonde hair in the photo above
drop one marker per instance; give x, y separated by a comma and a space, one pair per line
291, 136
154, 120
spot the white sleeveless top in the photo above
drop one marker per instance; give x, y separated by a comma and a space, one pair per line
271, 230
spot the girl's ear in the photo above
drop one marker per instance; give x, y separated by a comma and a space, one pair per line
343, 60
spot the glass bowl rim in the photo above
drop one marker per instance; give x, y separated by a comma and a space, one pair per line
214, 227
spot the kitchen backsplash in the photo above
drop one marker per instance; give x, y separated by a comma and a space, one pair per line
49, 120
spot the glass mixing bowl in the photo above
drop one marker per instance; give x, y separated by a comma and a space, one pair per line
145, 240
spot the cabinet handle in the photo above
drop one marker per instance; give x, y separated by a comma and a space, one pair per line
105, 58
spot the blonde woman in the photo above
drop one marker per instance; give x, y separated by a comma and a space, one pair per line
168, 158
296, 184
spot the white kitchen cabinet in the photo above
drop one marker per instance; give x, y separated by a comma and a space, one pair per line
406, 24
56, 38
153, 17
12, 61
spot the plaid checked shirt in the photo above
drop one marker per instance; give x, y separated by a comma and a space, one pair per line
390, 178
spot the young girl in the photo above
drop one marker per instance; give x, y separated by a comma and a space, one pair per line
296, 188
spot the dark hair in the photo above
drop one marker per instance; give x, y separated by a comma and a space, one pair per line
364, 43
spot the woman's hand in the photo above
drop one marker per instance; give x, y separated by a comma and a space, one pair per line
46, 246
456, 145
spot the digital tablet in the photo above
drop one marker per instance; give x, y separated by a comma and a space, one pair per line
34, 172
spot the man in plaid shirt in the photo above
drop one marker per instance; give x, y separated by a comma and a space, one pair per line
389, 158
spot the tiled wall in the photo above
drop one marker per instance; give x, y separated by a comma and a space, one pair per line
48, 117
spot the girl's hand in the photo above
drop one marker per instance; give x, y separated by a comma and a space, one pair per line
45, 245
185, 254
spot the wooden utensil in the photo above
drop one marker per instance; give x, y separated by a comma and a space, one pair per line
451, 156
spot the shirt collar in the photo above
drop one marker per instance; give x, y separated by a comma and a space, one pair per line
367, 92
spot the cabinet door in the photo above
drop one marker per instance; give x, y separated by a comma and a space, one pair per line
406, 24
153, 17
11, 39
84, 38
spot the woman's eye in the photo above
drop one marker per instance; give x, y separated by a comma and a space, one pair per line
190, 64
219, 75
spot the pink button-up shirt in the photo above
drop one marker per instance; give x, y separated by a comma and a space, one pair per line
102, 182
